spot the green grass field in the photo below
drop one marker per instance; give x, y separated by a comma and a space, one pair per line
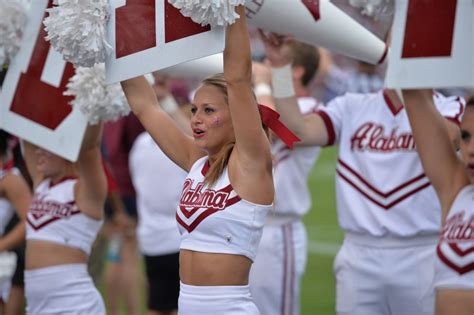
324, 235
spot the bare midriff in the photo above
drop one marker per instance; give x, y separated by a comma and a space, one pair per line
41, 254
210, 269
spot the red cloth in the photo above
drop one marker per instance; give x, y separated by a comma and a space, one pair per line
118, 140
111, 183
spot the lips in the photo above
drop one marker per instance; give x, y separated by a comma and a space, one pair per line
198, 133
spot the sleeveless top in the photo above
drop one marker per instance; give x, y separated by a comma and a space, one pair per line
455, 250
6, 208
55, 217
215, 219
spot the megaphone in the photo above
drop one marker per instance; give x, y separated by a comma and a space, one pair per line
198, 68
319, 23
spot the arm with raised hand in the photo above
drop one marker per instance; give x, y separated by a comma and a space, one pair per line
174, 143
19, 195
169, 104
309, 128
92, 183
435, 147
252, 145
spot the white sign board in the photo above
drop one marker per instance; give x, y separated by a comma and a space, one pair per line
150, 35
32, 104
432, 44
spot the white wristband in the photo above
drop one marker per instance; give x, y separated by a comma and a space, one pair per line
169, 104
282, 81
262, 89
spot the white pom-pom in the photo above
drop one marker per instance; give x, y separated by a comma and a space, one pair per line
97, 100
213, 12
373, 7
7, 265
13, 18
77, 29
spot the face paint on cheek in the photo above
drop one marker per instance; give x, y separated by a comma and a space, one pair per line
216, 122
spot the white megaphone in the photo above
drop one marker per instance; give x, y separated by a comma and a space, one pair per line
318, 23
198, 68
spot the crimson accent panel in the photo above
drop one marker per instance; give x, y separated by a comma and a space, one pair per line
429, 28
313, 8
178, 26
36, 100
135, 27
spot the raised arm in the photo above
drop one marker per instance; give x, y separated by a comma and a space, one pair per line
252, 145
174, 143
309, 128
17, 192
435, 147
92, 184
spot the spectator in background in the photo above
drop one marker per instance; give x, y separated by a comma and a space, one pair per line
158, 183
121, 275
276, 274
15, 199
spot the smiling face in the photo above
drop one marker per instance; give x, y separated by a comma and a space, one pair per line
467, 140
210, 122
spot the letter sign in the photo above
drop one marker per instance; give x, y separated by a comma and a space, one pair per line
150, 35
32, 104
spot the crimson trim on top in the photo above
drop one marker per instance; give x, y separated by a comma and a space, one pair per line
329, 127
204, 215
461, 270
63, 179
384, 55
205, 168
381, 205
390, 104
378, 192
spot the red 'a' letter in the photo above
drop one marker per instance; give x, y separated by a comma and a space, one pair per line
429, 29
135, 26
313, 8
39, 101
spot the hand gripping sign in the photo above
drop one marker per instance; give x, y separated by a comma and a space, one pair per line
150, 35
32, 104
432, 44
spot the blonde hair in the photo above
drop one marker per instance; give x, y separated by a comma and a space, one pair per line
217, 168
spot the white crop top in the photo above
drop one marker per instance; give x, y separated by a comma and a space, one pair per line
217, 220
55, 217
6, 208
455, 251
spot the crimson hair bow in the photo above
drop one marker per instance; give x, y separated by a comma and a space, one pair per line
270, 118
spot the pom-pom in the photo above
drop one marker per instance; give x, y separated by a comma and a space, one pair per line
97, 100
7, 265
213, 12
374, 7
77, 29
13, 18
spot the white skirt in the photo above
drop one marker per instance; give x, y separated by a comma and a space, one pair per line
219, 300
63, 289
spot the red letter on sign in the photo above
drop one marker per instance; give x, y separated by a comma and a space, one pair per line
177, 26
313, 7
39, 101
135, 27
429, 29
